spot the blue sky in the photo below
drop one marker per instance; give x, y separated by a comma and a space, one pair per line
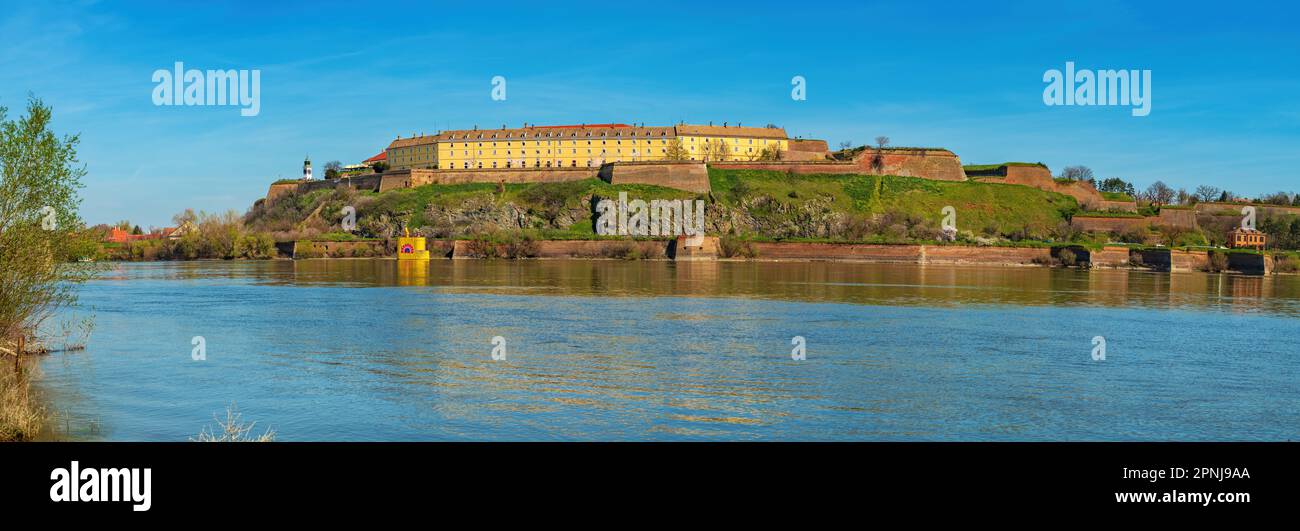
340, 80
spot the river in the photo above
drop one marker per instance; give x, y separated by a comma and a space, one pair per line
325, 350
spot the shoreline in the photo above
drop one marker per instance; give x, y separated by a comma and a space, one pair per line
1158, 259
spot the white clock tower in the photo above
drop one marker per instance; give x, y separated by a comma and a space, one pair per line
306, 169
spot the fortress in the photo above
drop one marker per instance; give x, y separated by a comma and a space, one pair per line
672, 156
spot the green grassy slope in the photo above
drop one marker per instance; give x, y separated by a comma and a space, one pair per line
760, 198
978, 205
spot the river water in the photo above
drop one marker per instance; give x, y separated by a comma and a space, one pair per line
324, 350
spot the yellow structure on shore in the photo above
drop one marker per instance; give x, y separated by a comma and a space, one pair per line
412, 248
584, 146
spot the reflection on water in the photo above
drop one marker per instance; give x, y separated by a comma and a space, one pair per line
609, 350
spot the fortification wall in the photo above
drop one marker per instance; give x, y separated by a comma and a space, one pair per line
277, 190
1158, 259
558, 249
1121, 206
1041, 178
1235, 208
1110, 256
689, 176
1173, 217
1253, 264
961, 254
420, 177
935, 164
800, 167
1102, 224
1188, 260
909, 254
838, 251
806, 150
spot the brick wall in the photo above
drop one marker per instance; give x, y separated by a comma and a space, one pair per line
935, 164
420, 177
961, 254
806, 150
277, 190
1172, 217
1188, 260
689, 176
1041, 178
838, 251
1101, 224
1111, 256
1122, 206
800, 167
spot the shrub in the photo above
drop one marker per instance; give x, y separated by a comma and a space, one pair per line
1068, 258
1218, 262
482, 246
521, 246
731, 247
1286, 264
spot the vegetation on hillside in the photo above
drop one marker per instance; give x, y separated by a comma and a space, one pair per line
743, 205
202, 236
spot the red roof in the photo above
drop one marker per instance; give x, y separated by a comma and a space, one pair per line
383, 155
576, 126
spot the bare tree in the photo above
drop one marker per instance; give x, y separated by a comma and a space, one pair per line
676, 150
1159, 193
332, 169
882, 142
1076, 173
1207, 193
846, 145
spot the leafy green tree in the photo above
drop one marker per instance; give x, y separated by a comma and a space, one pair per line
41, 236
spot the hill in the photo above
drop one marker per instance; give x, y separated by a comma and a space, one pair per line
751, 204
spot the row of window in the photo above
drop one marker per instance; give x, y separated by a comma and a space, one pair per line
537, 163
603, 142
404, 157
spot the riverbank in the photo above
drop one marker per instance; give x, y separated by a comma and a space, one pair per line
21, 413
714, 248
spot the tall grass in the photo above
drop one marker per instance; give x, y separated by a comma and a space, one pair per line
20, 415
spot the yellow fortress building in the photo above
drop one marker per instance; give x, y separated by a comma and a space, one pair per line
585, 146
